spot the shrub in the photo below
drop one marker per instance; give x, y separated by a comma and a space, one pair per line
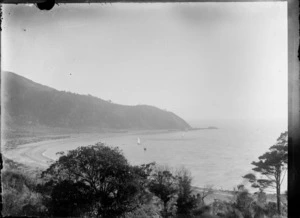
19, 197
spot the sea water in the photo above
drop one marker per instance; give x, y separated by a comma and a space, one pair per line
215, 157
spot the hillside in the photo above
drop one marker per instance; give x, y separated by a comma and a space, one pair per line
29, 103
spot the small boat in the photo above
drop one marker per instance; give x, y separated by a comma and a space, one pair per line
138, 141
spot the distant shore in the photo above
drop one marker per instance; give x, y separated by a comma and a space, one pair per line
228, 195
203, 128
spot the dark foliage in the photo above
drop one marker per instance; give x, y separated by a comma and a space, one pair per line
69, 199
164, 185
19, 195
271, 209
186, 202
243, 203
97, 175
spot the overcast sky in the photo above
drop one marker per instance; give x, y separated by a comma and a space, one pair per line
199, 60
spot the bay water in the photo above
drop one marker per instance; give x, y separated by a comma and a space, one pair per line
215, 157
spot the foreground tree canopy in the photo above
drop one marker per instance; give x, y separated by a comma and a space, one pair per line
96, 180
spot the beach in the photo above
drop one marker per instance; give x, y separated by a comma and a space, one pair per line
41, 153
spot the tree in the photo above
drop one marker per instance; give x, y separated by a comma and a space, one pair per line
164, 185
206, 191
186, 202
272, 166
96, 179
68, 199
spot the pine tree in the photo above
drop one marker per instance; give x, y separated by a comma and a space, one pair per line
272, 166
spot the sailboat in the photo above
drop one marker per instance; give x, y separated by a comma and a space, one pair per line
139, 143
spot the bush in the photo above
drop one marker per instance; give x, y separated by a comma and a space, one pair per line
271, 209
244, 202
163, 184
149, 210
186, 202
19, 197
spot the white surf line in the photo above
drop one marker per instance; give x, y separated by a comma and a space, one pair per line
44, 153
47, 157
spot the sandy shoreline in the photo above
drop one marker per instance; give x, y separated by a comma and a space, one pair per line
36, 154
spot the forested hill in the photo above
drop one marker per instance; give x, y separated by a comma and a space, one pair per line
30, 103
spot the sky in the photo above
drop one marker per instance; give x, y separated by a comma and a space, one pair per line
198, 60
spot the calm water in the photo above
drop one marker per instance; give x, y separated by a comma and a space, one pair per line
215, 157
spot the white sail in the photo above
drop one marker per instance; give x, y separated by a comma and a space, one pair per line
138, 141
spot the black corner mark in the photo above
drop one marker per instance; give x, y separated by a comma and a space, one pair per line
46, 5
